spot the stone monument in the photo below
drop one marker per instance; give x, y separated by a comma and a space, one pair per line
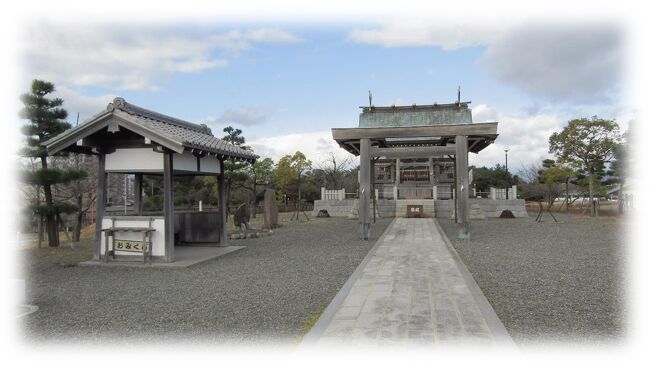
270, 210
242, 216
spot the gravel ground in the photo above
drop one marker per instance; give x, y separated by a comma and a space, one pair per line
264, 292
550, 282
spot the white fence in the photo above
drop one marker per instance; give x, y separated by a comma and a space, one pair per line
500, 194
332, 194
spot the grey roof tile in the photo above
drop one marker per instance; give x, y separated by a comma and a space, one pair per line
191, 135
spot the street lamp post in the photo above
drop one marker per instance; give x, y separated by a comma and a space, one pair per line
507, 174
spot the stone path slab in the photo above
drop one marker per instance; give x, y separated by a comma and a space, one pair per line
412, 288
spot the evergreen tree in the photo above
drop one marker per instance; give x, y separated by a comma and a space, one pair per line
587, 144
235, 171
46, 120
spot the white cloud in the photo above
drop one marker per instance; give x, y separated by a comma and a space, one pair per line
86, 106
572, 63
411, 32
195, 65
483, 113
317, 146
128, 57
525, 137
245, 116
565, 63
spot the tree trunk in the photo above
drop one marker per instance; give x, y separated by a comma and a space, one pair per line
592, 207
225, 204
254, 200
40, 218
76, 235
51, 226
567, 199
298, 212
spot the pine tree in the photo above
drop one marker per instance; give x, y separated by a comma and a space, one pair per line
46, 120
235, 171
587, 144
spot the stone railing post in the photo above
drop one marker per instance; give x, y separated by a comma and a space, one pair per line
513, 192
376, 194
493, 193
342, 194
395, 192
435, 192
322, 193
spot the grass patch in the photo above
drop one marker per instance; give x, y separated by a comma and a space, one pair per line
309, 323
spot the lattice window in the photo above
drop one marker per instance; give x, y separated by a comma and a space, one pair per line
383, 173
415, 174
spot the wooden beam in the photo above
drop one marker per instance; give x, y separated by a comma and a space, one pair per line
168, 204
478, 129
223, 204
100, 203
364, 189
412, 152
353, 147
462, 188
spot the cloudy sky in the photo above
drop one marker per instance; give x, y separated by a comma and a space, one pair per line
285, 85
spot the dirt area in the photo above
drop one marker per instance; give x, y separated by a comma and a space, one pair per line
273, 290
549, 281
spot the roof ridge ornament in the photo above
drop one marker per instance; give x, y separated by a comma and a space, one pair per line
119, 103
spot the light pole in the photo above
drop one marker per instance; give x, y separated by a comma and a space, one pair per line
507, 174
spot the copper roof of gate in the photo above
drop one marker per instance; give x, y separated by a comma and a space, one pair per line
416, 126
175, 134
415, 115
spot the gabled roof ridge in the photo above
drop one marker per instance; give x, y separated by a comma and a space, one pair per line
121, 104
418, 107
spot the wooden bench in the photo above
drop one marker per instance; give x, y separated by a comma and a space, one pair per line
144, 246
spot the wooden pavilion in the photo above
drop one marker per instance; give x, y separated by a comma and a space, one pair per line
128, 139
439, 131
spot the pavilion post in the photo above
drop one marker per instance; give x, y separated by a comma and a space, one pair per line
431, 180
364, 189
100, 203
462, 188
223, 237
372, 191
137, 194
168, 203
397, 172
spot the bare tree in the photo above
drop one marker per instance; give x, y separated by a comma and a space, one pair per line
530, 173
82, 192
335, 169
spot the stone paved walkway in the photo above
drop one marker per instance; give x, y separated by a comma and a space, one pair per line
411, 289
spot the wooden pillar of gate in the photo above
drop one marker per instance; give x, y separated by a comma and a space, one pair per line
462, 188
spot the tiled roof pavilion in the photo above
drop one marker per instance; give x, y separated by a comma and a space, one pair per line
172, 133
